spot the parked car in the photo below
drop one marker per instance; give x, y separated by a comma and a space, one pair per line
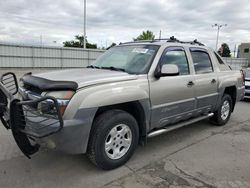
247, 84
134, 91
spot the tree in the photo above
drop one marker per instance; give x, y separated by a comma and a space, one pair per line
112, 45
78, 43
145, 35
224, 50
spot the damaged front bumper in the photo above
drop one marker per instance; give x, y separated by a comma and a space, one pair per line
29, 120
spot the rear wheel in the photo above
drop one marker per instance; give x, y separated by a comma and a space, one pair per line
222, 115
113, 139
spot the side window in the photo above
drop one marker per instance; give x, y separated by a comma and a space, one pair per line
177, 57
202, 61
222, 65
218, 58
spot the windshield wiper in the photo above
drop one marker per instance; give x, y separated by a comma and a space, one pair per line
93, 67
114, 68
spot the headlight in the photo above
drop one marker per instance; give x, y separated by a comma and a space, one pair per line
63, 95
63, 98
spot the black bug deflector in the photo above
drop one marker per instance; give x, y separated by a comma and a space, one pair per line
27, 119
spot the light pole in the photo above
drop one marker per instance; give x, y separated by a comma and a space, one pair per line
84, 25
218, 32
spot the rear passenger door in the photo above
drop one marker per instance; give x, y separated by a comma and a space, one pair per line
206, 82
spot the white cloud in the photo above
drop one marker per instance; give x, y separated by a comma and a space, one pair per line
118, 21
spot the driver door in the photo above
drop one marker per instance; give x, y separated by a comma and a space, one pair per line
172, 97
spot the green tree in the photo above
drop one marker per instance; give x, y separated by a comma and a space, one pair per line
224, 50
145, 35
78, 43
112, 45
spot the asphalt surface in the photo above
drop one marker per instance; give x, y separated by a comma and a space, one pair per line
199, 155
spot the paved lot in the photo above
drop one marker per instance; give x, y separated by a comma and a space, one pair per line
199, 155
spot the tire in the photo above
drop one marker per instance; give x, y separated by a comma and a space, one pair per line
219, 117
113, 140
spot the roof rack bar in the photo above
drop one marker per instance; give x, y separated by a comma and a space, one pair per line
171, 39
136, 41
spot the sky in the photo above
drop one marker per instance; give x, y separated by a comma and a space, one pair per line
54, 21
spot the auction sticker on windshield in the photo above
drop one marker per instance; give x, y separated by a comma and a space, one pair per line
140, 50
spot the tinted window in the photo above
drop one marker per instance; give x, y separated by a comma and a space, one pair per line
202, 62
176, 57
218, 58
246, 50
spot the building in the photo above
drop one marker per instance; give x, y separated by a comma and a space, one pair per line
244, 50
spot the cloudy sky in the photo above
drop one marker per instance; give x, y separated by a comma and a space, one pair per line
25, 21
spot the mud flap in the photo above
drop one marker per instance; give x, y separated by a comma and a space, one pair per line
17, 123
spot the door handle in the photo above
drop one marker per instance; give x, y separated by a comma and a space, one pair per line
213, 81
190, 84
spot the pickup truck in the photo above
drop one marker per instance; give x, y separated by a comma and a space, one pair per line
134, 91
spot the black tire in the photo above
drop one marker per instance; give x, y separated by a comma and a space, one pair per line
102, 126
217, 118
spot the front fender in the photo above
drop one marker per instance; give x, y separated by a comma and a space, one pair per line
107, 94
113, 96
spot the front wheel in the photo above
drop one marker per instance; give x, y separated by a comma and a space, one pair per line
113, 139
222, 115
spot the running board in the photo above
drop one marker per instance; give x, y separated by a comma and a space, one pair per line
178, 125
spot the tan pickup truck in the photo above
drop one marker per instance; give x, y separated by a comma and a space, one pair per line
134, 91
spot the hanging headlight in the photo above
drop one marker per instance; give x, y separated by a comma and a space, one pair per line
63, 98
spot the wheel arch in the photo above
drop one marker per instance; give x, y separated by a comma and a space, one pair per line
232, 91
138, 109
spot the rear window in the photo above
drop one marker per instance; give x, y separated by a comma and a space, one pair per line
222, 65
218, 58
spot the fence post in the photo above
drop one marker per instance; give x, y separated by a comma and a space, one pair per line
88, 57
32, 57
61, 57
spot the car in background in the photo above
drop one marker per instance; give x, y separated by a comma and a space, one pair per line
247, 84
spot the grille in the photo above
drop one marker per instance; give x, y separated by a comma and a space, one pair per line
37, 118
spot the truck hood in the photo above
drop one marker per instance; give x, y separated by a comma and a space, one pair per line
87, 76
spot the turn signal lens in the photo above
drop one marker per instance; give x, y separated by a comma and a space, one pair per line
64, 95
242, 76
63, 98
62, 109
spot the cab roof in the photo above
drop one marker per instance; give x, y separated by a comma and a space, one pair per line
171, 41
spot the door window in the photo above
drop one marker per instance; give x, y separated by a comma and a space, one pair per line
202, 61
176, 56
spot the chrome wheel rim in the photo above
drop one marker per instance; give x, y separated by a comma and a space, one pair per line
225, 109
118, 141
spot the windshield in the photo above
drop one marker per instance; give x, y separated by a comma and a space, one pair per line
133, 59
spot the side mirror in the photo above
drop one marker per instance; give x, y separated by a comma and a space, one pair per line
167, 70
